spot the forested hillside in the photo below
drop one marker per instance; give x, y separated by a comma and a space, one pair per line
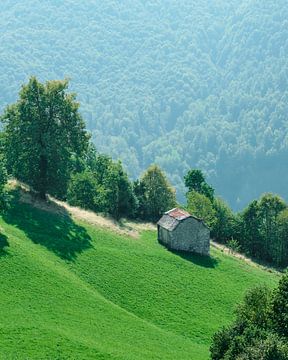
180, 83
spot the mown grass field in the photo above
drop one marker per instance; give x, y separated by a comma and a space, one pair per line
73, 291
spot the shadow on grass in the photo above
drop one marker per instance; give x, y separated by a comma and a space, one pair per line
55, 230
3, 245
201, 260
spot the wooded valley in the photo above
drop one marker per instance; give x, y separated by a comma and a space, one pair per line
189, 84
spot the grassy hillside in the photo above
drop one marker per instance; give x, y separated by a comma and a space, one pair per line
73, 291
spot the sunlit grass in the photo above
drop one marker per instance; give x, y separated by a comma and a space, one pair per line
73, 291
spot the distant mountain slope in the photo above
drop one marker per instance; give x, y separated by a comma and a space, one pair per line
184, 84
71, 290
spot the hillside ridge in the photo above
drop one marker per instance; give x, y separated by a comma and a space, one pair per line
121, 296
125, 227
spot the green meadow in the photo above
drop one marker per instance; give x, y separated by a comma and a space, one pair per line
70, 290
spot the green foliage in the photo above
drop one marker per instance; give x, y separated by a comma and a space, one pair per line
119, 199
254, 309
281, 243
271, 348
233, 245
206, 86
139, 191
155, 193
200, 206
225, 222
251, 236
3, 181
82, 190
260, 328
43, 130
221, 342
104, 186
85, 292
270, 207
264, 225
195, 181
280, 307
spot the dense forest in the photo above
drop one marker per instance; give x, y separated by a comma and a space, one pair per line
184, 84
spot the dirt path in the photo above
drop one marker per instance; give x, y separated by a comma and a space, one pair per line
242, 257
125, 227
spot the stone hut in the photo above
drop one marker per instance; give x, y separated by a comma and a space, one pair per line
179, 230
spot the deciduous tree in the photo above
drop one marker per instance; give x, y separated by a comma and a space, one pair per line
195, 181
43, 132
159, 196
200, 206
224, 225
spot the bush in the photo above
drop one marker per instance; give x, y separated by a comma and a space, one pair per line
261, 328
82, 191
279, 307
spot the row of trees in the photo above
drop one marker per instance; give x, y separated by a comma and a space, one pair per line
260, 331
260, 230
45, 145
104, 186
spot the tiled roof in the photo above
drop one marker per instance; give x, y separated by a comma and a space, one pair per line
172, 218
178, 214
167, 222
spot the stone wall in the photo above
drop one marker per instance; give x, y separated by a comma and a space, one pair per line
164, 236
191, 235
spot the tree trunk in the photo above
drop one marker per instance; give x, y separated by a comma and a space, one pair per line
43, 177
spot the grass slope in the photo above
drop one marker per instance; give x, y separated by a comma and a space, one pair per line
73, 291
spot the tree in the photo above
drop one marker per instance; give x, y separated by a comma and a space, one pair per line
118, 197
43, 132
224, 225
102, 186
281, 253
270, 206
269, 347
254, 309
279, 308
195, 181
115, 190
159, 196
260, 330
264, 225
200, 206
252, 243
82, 190
139, 191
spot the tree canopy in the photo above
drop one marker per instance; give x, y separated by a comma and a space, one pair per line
195, 181
43, 133
205, 87
200, 206
260, 329
157, 194
102, 185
